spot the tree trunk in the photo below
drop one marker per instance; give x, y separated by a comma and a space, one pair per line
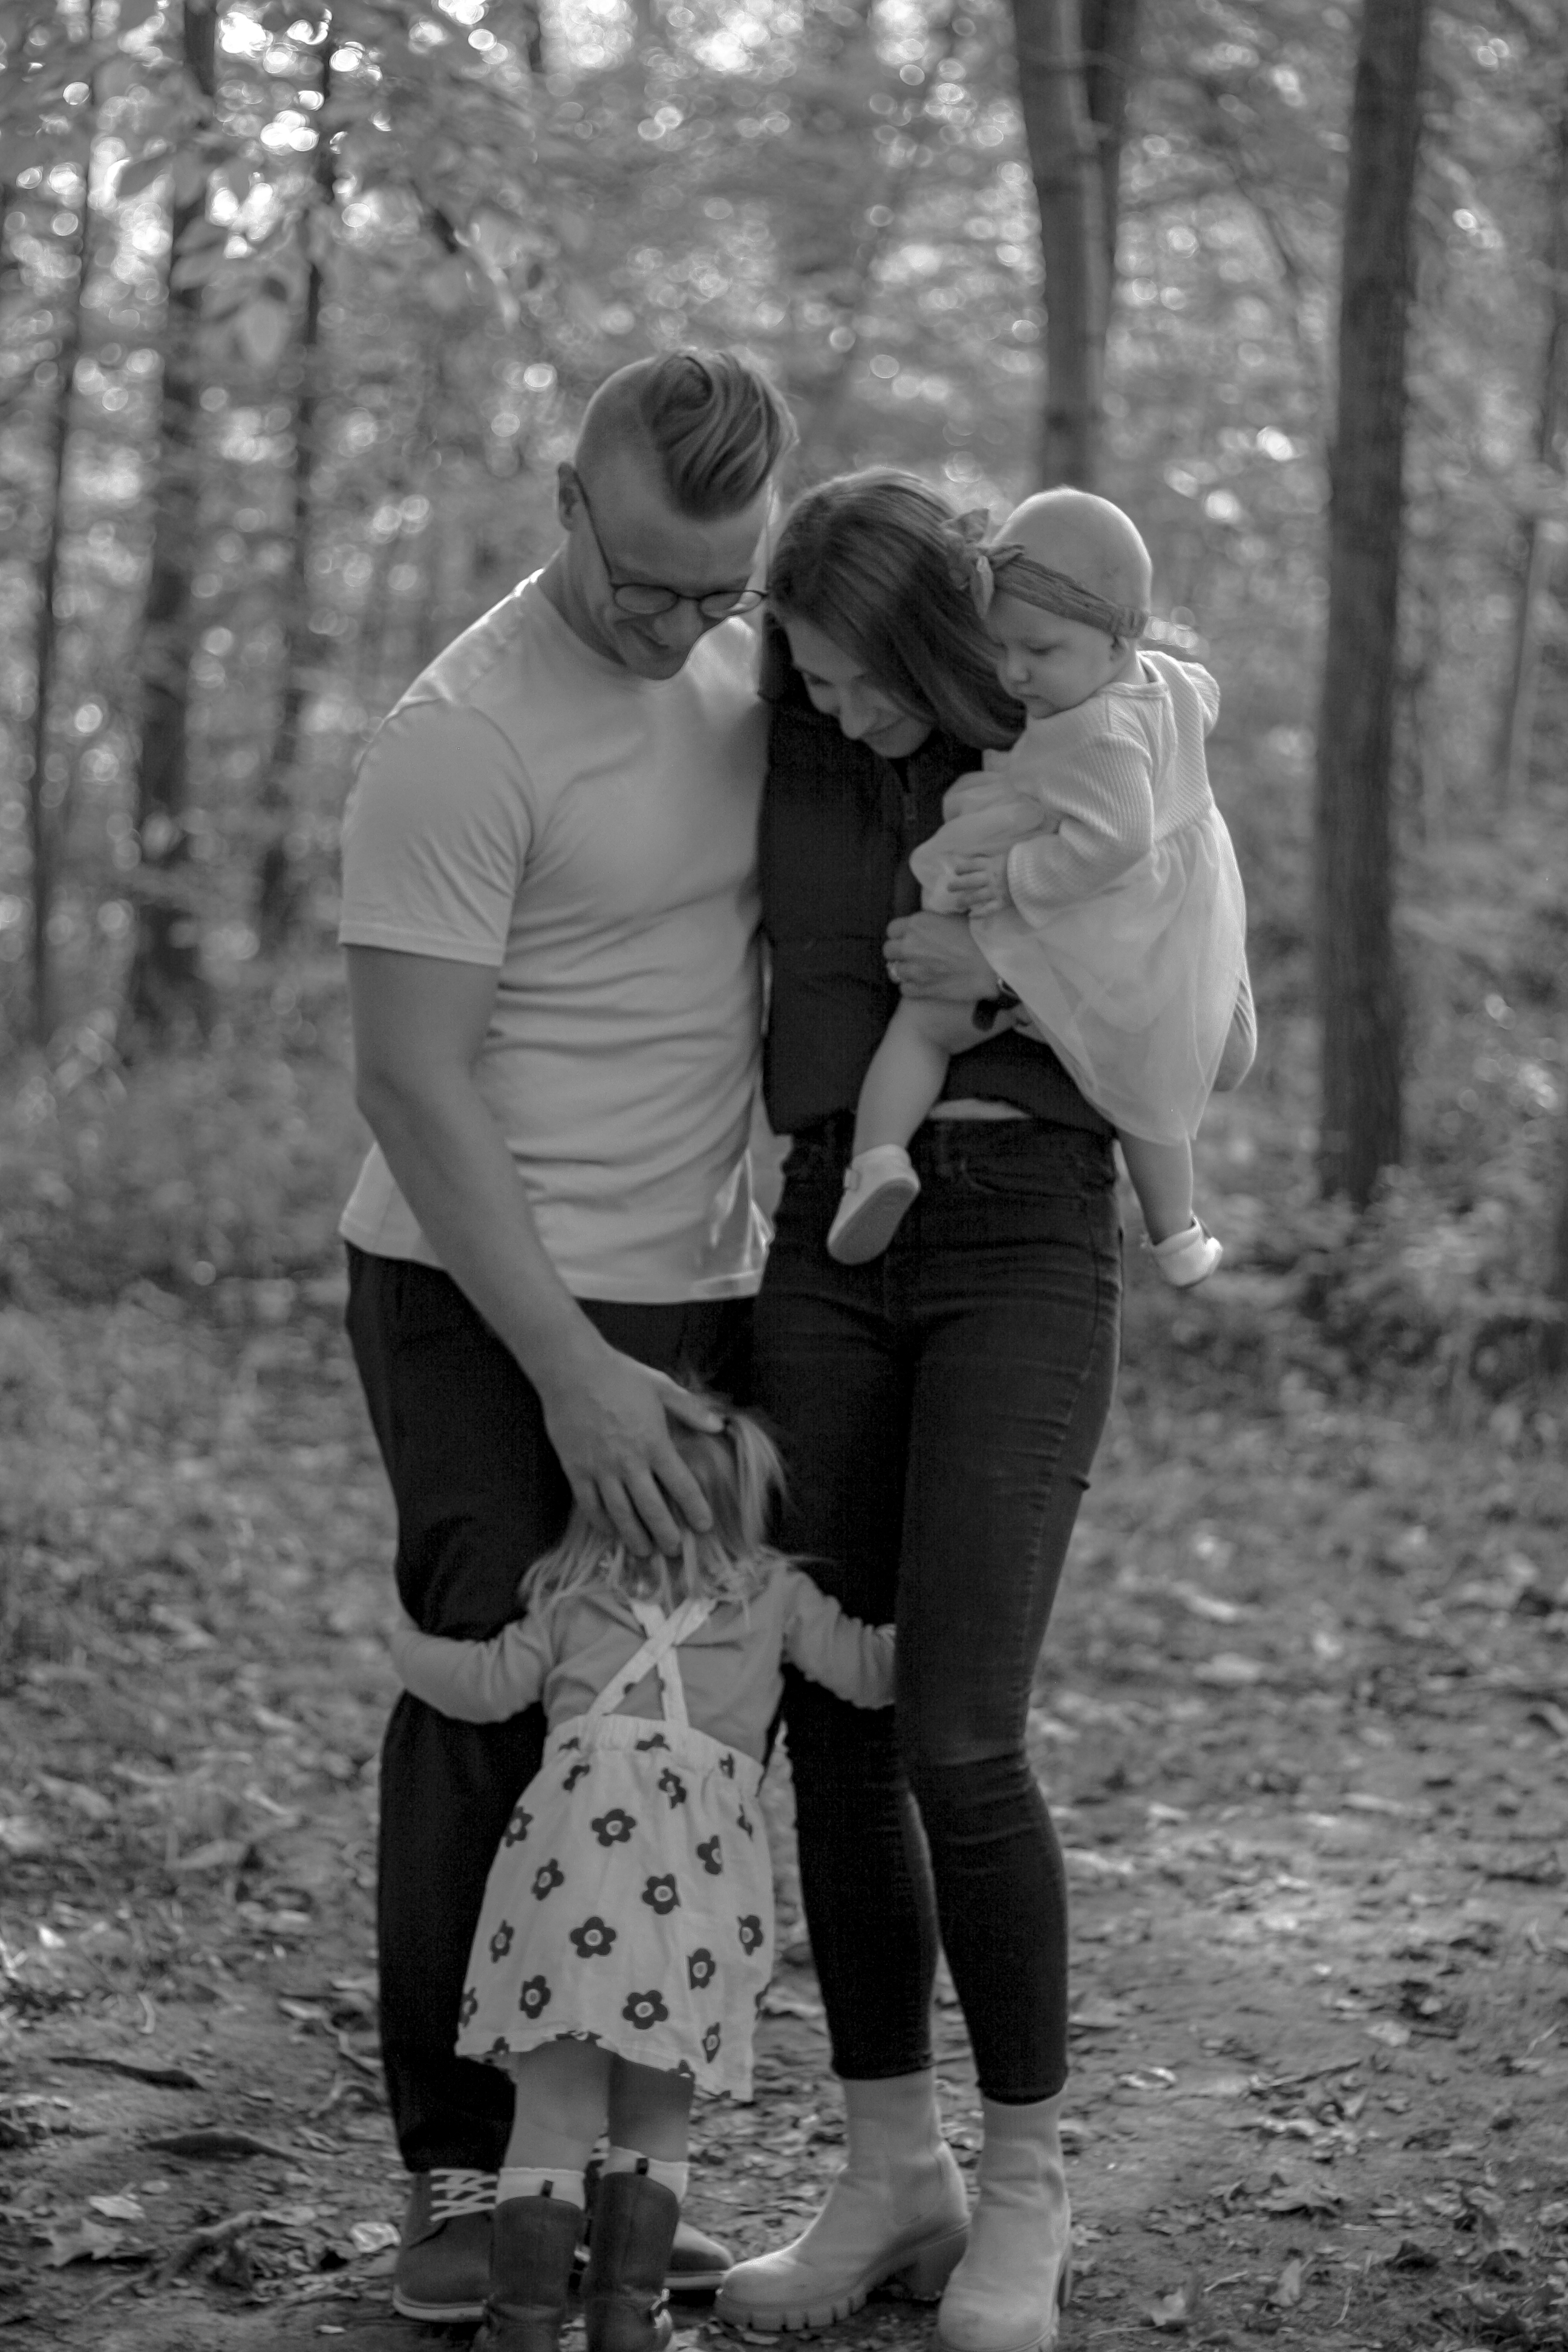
277, 893
1064, 160
1111, 33
44, 801
1557, 1274
166, 991
530, 16
1540, 539
1360, 1132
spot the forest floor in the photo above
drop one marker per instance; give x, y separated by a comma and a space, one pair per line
1303, 1722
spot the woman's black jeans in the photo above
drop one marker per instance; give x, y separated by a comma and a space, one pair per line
941, 1408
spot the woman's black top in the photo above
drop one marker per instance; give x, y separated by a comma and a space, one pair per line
838, 825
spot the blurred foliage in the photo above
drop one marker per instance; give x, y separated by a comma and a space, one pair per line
517, 198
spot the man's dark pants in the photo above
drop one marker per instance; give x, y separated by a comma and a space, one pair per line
479, 1494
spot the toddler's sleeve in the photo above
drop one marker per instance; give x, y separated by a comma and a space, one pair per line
1100, 790
478, 1682
853, 1660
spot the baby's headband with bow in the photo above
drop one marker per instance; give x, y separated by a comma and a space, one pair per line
985, 569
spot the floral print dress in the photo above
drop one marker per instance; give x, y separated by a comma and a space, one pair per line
630, 1902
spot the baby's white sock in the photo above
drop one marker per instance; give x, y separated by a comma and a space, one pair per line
669, 2175
541, 2180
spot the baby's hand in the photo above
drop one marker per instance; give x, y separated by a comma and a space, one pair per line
978, 885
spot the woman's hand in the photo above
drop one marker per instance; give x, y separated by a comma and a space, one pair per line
935, 955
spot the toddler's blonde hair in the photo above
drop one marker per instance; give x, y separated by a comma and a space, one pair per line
742, 1481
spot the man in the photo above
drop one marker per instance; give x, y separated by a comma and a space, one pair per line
550, 918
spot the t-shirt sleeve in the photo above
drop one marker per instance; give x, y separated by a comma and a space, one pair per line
478, 1682
848, 1657
435, 837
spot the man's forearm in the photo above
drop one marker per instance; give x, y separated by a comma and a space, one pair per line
451, 1164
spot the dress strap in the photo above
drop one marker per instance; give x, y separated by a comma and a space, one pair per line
656, 1656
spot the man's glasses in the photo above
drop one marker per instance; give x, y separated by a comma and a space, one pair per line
645, 600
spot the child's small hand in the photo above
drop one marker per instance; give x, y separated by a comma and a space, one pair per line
979, 884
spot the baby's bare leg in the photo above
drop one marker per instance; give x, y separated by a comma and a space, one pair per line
907, 1073
909, 1069
1241, 1046
1162, 1177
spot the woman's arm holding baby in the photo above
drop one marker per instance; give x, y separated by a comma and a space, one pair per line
478, 1682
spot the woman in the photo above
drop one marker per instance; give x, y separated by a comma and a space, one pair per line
942, 1406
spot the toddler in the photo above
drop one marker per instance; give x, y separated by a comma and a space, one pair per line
626, 1939
1099, 878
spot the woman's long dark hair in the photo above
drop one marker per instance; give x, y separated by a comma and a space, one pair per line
874, 560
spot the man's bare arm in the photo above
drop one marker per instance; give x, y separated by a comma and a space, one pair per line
419, 1023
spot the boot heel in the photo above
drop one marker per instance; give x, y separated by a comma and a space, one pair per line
927, 2272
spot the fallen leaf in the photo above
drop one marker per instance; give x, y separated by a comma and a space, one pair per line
1097, 2016
1301, 2197
779, 2002
218, 1853
1410, 2254
166, 2078
1285, 2291
81, 2241
197, 2145
369, 2237
1172, 2313
92, 1802
1205, 1605
1228, 1670
124, 2208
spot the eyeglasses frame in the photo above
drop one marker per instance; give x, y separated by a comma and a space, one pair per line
742, 600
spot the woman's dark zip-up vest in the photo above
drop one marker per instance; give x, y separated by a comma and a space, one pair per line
837, 826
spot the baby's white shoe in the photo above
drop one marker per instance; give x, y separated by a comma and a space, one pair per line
1188, 1257
879, 1186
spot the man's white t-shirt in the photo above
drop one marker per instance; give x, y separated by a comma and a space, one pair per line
532, 806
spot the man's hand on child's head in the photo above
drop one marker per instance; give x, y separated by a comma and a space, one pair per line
980, 884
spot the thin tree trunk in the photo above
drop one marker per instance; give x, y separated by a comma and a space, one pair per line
532, 16
1557, 1275
1360, 1132
1541, 545
1110, 35
1063, 161
44, 806
276, 893
166, 990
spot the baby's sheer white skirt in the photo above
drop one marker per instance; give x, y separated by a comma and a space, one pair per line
1135, 987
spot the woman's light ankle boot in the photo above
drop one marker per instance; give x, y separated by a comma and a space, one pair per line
1007, 2292
897, 2210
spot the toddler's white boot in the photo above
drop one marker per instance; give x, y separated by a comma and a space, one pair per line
1007, 2292
897, 2210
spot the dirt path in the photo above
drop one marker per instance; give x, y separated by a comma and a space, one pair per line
1304, 1722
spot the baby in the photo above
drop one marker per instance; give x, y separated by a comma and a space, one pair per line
1099, 878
